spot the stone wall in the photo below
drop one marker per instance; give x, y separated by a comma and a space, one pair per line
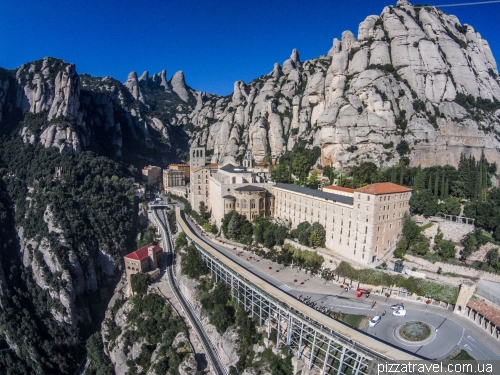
451, 268
489, 290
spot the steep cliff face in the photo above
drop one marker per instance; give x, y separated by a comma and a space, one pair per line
415, 82
77, 113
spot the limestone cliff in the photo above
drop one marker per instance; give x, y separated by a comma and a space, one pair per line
415, 82
76, 113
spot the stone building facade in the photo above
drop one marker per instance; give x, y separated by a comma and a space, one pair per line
151, 175
146, 259
236, 188
173, 178
361, 224
181, 167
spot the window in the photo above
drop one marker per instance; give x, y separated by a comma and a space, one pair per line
368, 198
252, 203
366, 230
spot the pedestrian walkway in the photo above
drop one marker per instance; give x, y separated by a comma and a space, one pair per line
286, 288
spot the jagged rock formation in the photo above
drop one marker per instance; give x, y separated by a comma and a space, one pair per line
416, 82
77, 113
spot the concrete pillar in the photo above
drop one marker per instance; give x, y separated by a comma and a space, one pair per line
466, 291
312, 351
279, 329
341, 363
325, 362
300, 339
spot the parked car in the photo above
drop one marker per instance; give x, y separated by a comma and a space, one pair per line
399, 306
373, 321
399, 313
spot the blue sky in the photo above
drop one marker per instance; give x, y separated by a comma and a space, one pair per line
214, 42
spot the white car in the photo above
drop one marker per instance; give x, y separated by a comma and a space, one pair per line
399, 306
399, 313
373, 321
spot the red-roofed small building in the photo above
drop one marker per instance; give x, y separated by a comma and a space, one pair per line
146, 259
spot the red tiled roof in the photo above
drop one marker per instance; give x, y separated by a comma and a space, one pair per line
339, 188
383, 188
487, 310
212, 165
142, 253
197, 169
178, 165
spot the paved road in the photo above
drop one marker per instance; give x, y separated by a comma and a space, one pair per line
210, 349
450, 333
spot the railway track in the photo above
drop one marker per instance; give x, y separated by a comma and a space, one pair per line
210, 350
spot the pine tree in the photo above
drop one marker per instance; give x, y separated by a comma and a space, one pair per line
442, 185
429, 183
479, 184
401, 176
436, 184
446, 189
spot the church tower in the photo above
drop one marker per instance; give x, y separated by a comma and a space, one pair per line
197, 157
248, 159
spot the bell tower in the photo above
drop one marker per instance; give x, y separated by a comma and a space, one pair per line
197, 157
248, 159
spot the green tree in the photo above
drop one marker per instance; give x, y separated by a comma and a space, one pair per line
446, 249
492, 258
98, 361
313, 181
205, 215
192, 264
451, 206
424, 203
140, 282
300, 165
317, 236
181, 241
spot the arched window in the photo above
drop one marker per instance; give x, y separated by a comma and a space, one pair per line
244, 203
252, 203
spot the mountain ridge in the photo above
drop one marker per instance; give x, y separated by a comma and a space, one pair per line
414, 83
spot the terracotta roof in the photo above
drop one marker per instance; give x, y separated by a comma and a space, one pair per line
197, 169
339, 188
178, 165
383, 188
487, 310
142, 253
212, 165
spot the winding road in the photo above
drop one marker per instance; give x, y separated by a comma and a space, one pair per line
210, 350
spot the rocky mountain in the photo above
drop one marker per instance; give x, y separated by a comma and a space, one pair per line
415, 82
134, 122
